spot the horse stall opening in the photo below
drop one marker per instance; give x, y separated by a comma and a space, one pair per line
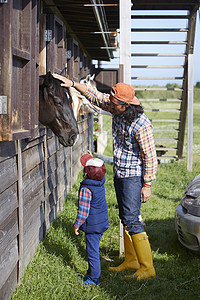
36, 170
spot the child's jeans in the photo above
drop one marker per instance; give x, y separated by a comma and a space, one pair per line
92, 249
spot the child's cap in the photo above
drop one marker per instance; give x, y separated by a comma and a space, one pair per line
94, 167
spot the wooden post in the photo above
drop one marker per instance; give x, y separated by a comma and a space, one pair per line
125, 39
45, 183
192, 23
20, 215
190, 113
125, 60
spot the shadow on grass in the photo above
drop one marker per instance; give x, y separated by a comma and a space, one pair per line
61, 240
176, 268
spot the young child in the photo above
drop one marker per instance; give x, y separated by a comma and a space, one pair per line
92, 217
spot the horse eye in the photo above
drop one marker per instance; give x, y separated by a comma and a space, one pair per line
57, 101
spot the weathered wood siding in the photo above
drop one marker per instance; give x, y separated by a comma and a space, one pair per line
44, 177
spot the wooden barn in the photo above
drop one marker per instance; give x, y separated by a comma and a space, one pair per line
36, 170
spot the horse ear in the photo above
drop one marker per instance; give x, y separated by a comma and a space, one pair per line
64, 72
48, 79
92, 77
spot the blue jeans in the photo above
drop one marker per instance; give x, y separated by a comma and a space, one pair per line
92, 249
128, 192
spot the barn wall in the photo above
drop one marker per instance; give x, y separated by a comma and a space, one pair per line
36, 171
31, 194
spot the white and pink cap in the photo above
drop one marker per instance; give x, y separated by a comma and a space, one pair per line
94, 167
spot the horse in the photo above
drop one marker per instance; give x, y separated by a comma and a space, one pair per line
79, 101
55, 109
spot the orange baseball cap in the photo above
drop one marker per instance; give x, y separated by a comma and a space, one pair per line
124, 92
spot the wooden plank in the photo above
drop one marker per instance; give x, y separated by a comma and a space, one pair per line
8, 261
190, 113
8, 231
165, 148
8, 202
162, 110
165, 139
125, 40
33, 234
21, 215
159, 29
7, 150
42, 45
156, 67
53, 146
32, 246
159, 17
183, 114
5, 61
50, 47
8, 174
19, 53
10, 285
34, 84
29, 143
160, 100
159, 42
52, 202
32, 180
165, 120
31, 158
165, 130
158, 78
159, 54
157, 89
33, 202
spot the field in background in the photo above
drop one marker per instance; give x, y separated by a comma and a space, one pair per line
152, 115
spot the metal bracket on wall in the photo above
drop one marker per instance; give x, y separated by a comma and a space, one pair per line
68, 54
47, 35
3, 105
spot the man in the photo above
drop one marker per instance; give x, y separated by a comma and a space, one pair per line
134, 165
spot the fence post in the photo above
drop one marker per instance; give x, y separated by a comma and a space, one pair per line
21, 214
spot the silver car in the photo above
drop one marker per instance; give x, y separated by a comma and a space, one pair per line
187, 217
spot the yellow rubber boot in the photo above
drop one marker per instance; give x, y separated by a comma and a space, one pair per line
130, 261
144, 255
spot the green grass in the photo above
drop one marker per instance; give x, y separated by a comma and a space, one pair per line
60, 261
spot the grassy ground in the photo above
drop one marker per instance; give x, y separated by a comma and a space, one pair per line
60, 261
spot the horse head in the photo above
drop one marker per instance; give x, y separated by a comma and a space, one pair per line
55, 109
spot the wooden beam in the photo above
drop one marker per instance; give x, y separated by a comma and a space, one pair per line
125, 39
159, 17
190, 113
159, 54
21, 210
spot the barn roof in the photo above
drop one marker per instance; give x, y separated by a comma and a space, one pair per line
91, 26
95, 27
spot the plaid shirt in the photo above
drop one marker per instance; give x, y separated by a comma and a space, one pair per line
85, 197
134, 152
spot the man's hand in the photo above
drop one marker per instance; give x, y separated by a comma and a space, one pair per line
66, 82
145, 194
76, 231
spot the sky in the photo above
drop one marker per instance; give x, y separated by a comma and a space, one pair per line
153, 61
